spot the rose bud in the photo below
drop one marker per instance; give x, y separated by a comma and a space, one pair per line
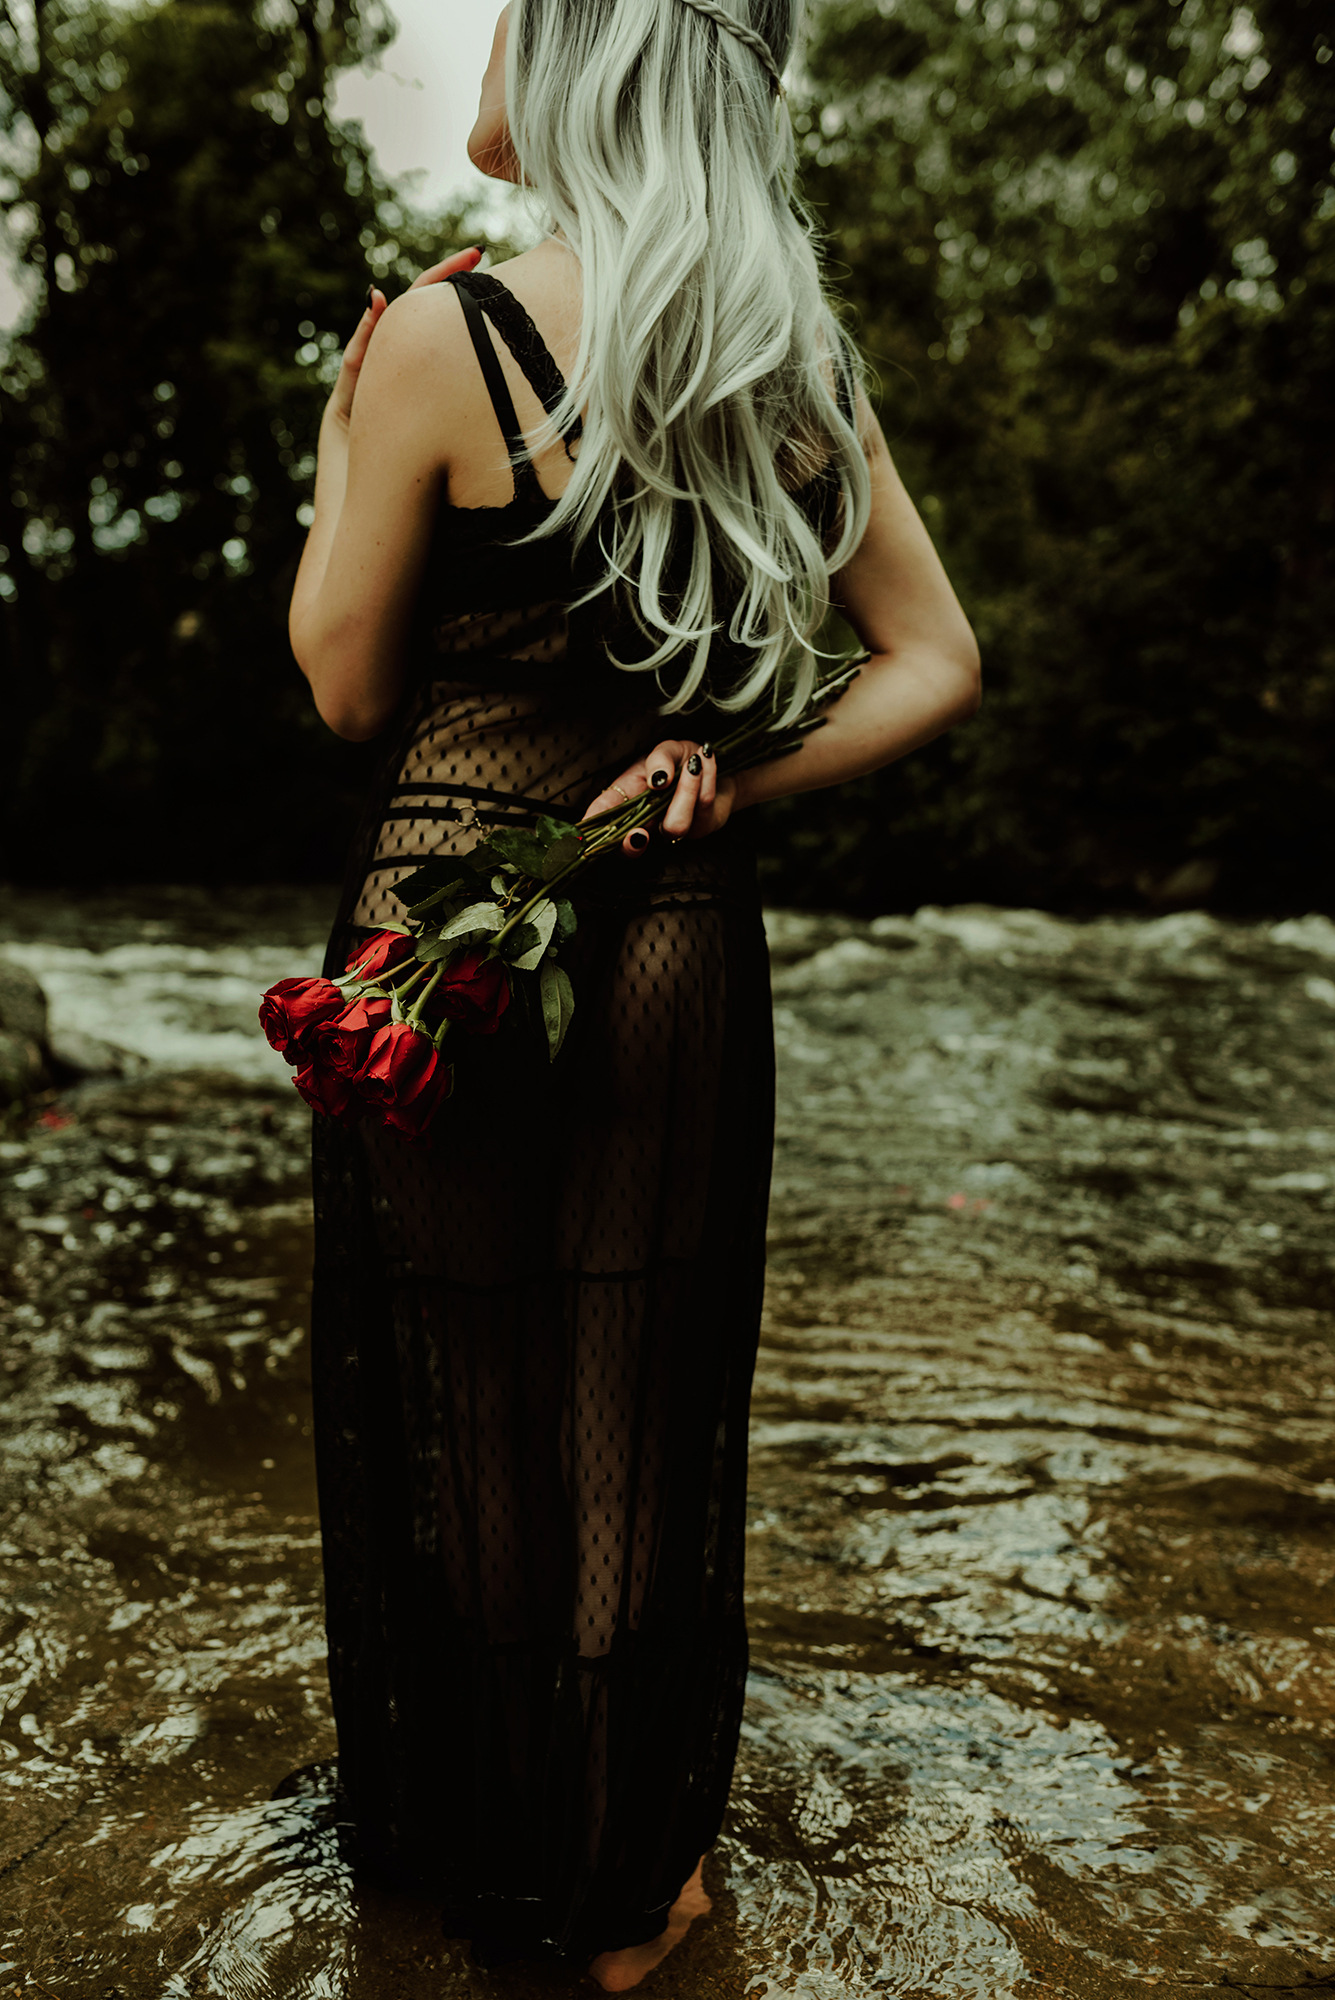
401, 1063
380, 954
292, 1011
414, 1118
474, 991
343, 1044
333, 1095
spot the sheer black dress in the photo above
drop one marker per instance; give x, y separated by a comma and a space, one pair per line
533, 1337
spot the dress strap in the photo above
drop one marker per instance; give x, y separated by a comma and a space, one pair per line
497, 387
526, 344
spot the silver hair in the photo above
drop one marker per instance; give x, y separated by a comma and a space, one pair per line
708, 352
747, 36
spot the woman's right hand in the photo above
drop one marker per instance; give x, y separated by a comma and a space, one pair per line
701, 805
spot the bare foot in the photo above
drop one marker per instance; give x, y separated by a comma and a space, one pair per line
618, 1971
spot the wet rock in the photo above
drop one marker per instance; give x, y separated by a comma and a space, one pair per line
23, 1010
22, 1034
77, 1054
21, 1069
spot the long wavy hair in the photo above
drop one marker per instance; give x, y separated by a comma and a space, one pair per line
660, 146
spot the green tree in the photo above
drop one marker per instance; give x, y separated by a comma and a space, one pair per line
1090, 249
199, 231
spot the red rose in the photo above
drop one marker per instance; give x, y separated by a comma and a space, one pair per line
413, 1118
403, 1080
474, 992
292, 1011
400, 1063
343, 1044
380, 954
333, 1095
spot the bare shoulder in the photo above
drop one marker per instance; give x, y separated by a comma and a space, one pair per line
420, 327
419, 387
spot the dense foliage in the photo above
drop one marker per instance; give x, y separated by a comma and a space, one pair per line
1088, 247
1091, 249
201, 234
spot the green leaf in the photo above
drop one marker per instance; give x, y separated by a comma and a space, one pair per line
565, 918
549, 829
478, 920
443, 906
431, 949
558, 1004
487, 858
560, 855
519, 942
477, 917
438, 877
542, 923
525, 850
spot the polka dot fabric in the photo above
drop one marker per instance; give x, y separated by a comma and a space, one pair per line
533, 1335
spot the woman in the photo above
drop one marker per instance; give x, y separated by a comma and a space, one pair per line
620, 484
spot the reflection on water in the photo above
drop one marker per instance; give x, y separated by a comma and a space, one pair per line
1043, 1481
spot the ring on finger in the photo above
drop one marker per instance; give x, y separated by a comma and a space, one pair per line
616, 788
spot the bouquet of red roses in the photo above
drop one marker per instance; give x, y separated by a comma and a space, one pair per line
479, 928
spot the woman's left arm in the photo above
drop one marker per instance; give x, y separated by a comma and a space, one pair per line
382, 455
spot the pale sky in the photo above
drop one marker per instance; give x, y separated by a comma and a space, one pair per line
417, 110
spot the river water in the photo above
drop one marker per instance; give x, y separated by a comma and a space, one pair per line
1043, 1689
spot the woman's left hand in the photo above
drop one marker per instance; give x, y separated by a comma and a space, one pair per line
701, 804
339, 407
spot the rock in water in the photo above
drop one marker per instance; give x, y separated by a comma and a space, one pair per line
22, 1034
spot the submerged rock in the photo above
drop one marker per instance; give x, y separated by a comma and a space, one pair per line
23, 1017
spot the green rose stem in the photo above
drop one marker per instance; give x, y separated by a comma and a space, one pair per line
397, 992
386, 978
414, 1014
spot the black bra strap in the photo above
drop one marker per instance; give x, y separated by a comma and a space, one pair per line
526, 344
497, 387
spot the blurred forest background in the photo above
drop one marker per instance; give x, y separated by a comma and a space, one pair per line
1088, 246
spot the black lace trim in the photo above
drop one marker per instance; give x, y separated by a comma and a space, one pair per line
526, 344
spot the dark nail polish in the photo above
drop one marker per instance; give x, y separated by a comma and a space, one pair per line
639, 839
693, 765
370, 296
657, 778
